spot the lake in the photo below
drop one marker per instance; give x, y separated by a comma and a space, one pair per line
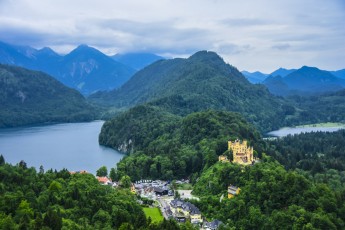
72, 145
297, 130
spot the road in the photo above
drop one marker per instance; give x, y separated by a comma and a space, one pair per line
163, 204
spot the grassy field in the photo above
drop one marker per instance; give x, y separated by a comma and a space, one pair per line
185, 186
328, 124
154, 213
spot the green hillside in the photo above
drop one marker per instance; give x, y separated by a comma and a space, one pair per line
203, 81
165, 146
328, 107
59, 200
270, 198
30, 97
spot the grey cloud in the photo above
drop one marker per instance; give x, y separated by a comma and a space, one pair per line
232, 49
151, 29
162, 36
239, 30
239, 22
281, 46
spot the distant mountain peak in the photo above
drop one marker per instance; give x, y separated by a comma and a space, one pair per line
137, 60
305, 80
255, 77
47, 51
308, 68
205, 55
282, 72
84, 51
84, 47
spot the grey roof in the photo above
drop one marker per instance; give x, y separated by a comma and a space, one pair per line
232, 189
213, 225
187, 206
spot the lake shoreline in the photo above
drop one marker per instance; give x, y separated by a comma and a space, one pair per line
320, 127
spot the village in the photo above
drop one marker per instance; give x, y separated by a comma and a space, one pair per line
173, 202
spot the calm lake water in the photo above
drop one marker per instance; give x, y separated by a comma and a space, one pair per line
72, 145
297, 130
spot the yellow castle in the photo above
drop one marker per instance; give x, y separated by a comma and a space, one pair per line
242, 154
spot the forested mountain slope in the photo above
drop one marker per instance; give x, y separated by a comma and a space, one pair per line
166, 146
321, 155
30, 97
270, 198
327, 107
59, 200
203, 81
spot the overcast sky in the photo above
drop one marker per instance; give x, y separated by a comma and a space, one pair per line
249, 34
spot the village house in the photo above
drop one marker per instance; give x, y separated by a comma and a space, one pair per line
212, 225
223, 158
232, 191
78, 172
104, 180
161, 191
151, 189
182, 209
133, 189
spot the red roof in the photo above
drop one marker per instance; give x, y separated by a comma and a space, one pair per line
103, 179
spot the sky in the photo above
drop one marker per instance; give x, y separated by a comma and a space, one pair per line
252, 35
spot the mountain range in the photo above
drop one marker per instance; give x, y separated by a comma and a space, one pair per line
259, 77
31, 97
84, 68
88, 70
306, 80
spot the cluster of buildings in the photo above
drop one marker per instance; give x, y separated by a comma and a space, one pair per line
178, 209
182, 211
152, 189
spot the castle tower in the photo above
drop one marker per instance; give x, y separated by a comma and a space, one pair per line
242, 154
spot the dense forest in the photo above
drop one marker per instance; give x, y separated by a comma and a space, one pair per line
165, 146
318, 155
327, 107
270, 198
58, 200
30, 97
